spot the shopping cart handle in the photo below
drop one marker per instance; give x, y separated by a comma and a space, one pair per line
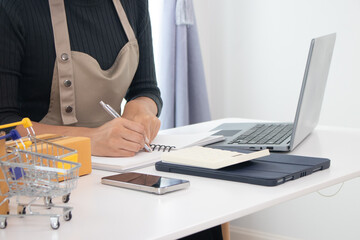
26, 122
13, 134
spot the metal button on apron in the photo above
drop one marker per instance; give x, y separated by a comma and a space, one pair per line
67, 83
64, 56
68, 109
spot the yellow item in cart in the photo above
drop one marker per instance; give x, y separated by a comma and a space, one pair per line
83, 147
81, 144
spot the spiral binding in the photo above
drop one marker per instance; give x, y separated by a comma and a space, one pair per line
159, 147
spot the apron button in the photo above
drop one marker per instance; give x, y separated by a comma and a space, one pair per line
64, 57
67, 83
68, 109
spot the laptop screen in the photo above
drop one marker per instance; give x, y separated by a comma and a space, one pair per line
313, 88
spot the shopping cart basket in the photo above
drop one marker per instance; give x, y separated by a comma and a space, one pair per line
37, 169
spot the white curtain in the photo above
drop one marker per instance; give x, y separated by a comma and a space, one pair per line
179, 66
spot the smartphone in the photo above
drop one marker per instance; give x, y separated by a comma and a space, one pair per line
145, 182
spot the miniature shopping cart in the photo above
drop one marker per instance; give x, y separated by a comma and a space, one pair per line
36, 168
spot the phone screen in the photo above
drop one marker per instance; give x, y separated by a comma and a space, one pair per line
147, 181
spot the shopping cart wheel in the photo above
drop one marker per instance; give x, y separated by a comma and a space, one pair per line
66, 198
54, 222
67, 216
48, 202
3, 223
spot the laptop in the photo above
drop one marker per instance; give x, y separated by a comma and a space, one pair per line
271, 170
285, 137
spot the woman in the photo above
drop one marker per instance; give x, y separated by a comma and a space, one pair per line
60, 58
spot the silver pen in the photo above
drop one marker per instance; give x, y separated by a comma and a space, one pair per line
109, 110
114, 114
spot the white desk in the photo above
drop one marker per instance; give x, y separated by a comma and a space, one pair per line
105, 212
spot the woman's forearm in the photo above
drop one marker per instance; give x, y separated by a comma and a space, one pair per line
41, 128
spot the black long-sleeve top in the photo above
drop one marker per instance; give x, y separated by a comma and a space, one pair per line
27, 52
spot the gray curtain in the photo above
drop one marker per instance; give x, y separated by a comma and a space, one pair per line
179, 67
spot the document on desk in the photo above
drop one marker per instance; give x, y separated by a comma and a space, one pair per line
210, 158
162, 143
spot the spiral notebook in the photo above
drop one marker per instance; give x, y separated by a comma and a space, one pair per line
162, 143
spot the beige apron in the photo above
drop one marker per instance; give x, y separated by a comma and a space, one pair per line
79, 83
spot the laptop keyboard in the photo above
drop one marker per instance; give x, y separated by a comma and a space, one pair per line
265, 134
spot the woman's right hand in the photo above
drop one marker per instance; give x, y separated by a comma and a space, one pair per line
118, 138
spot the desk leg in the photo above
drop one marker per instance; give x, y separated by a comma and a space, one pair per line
225, 228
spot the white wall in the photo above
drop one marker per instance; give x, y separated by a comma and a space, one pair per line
254, 54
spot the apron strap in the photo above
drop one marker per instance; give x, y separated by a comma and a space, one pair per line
64, 62
124, 21
64, 59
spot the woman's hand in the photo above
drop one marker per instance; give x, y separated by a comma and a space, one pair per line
143, 110
118, 138
127, 135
